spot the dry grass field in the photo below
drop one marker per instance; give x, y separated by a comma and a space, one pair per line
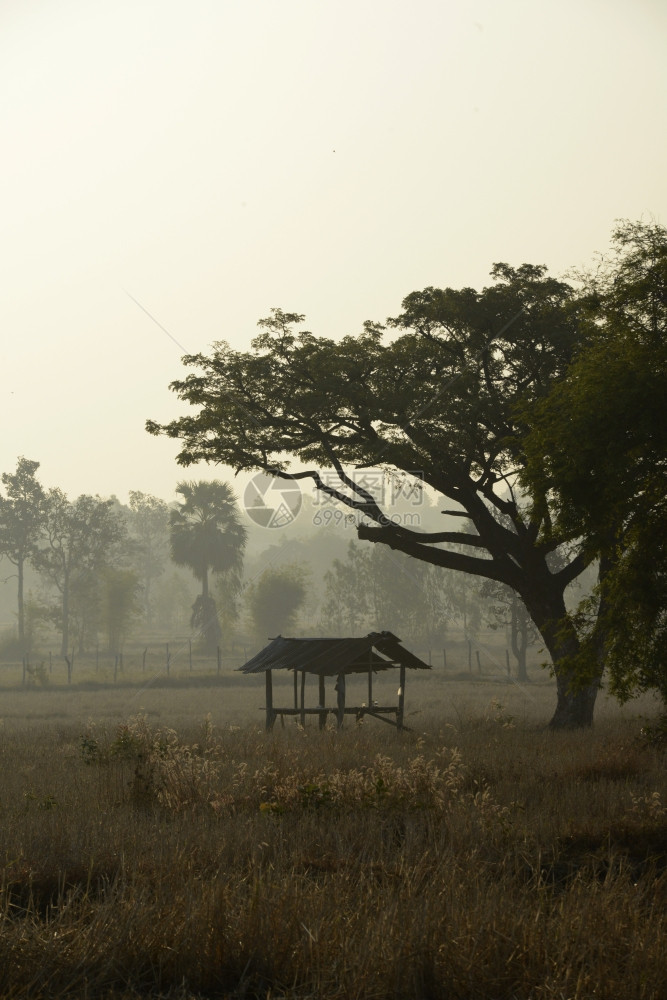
156, 842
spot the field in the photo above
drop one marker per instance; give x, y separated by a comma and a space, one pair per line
156, 842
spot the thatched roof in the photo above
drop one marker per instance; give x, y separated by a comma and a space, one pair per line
329, 657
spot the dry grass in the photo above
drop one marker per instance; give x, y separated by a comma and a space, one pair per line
481, 858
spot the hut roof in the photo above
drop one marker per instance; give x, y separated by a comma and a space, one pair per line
329, 657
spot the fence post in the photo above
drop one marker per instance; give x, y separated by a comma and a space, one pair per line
219, 660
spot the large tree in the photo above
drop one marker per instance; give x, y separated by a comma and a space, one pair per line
598, 458
22, 516
207, 536
437, 398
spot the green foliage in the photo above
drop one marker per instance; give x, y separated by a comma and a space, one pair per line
598, 455
375, 588
82, 537
275, 600
149, 531
346, 603
120, 604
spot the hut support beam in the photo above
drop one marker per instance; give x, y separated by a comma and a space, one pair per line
323, 715
340, 691
303, 698
270, 714
401, 699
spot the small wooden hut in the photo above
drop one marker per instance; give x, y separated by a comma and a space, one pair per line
334, 658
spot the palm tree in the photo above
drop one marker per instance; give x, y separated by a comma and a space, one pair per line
207, 536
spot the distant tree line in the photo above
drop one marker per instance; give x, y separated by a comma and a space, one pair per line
100, 561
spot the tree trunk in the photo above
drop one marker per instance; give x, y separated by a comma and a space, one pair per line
65, 608
519, 637
65, 638
575, 698
575, 705
19, 566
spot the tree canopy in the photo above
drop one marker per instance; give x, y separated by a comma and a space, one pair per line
81, 538
597, 455
276, 598
445, 392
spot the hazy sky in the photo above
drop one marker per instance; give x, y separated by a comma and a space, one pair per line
215, 159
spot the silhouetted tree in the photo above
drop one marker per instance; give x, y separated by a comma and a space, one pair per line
22, 516
448, 399
275, 600
207, 536
597, 460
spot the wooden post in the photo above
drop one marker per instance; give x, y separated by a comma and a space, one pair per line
401, 698
507, 657
296, 689
323, 715
69, 667
219, 660
444, 658
370, 687
143, 660
479, 665
469, 656
303, 698
270, 717
340, 692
